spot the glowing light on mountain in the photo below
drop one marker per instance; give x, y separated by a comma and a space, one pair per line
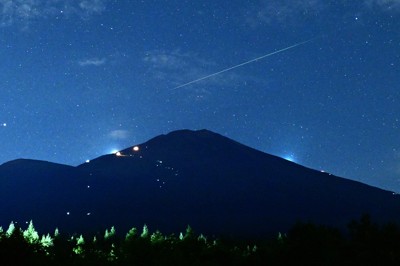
289, 158
136, 148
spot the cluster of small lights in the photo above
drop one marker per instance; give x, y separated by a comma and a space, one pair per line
323, 171
161, 183
87, 214
169, 170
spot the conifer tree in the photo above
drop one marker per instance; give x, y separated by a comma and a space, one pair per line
131, 234
189, 234
46, 241
78, 249
109, 234
202, 239
112, 254
157, 237
56, 233
30, 234
112, 231
145, 232
10, 230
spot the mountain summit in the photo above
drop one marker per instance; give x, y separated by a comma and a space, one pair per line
201, 178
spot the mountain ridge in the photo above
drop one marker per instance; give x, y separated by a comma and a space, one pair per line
215, 184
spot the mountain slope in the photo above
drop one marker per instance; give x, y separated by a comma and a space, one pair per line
39, 190
201, 178
220, 185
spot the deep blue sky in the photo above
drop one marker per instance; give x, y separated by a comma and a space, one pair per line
79, 79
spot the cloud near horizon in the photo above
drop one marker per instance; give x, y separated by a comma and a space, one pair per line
25, 11
282, 11
93, 6
388, 5
119, 134
92, 62
177, 67
288, 12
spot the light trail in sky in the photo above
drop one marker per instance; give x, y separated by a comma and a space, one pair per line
242, 64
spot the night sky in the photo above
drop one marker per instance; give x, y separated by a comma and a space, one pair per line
79, 79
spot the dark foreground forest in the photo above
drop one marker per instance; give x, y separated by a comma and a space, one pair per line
363, 243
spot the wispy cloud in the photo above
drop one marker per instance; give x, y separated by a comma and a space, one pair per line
388, 5
175, 68
92, 62
23, 12
93, 6
119, 134
289, 12
283, 11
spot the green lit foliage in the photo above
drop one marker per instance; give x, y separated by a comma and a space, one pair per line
145, 232
280, 237
202, 239
107, 245
30, 234
366, 243
148, 248
131, 235
109, 234
56, 233
46, 241
10, 230
16, 248
112, 255
78, 249
189, 234
157, 237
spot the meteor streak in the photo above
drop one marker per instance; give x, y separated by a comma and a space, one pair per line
242, 64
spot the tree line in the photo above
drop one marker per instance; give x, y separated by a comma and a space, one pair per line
363, 243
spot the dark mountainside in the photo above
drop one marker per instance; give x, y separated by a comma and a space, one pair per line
201, 178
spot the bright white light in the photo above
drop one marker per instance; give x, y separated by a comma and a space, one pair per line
118, 153
289, 158
136, 148
87, 161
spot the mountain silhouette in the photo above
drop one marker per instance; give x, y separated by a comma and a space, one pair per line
201, 178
